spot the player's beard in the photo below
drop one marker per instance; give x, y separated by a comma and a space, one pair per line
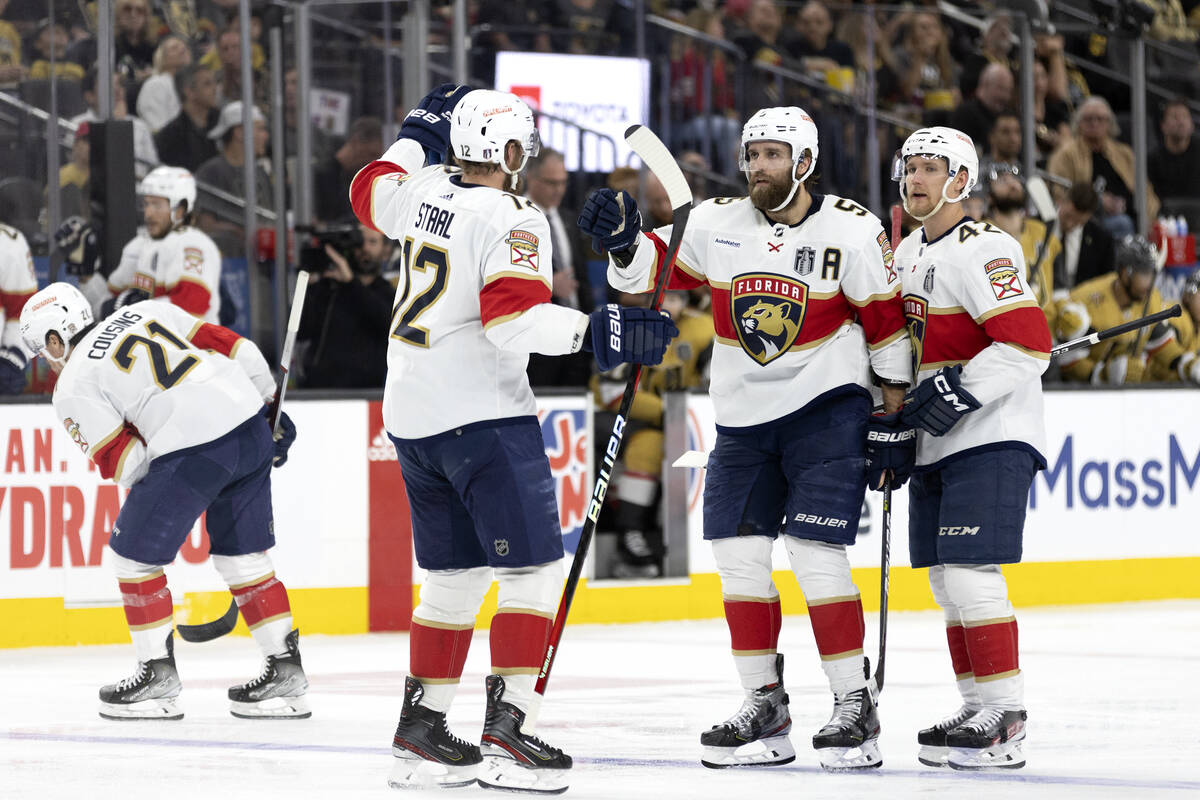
766, 198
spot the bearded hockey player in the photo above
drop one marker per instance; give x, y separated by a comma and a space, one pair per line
807, 313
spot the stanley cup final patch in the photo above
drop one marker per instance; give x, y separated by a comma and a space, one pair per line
768, 312
524, 249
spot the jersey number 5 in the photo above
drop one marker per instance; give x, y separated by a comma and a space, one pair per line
164, 376
406, 311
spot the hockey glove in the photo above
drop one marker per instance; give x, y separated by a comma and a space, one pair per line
129, 297
12, 370
619, 335
891, 448
429, 123
938, 402
80, 245
283, 438
612, 220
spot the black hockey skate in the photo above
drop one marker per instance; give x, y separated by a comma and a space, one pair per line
850, 740
150, 693
757, 735
514, 760
991, 738
427, 755
932, 740
278, 692
636, 556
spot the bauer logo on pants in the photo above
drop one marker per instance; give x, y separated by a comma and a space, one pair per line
768, 311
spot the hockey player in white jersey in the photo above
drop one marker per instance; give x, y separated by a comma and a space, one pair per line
17, 285
474, 301
170, 407
807, 312
168, 260
981, 344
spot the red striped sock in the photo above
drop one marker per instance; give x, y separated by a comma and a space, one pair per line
993, 649
262, 601
437, 651
147, 601
956, 638
518, 641
838, 626
753, 625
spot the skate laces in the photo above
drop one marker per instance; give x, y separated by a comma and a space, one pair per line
983, 720
957, 718
135, 678
751, 708
847, 707
636, 544
264, 676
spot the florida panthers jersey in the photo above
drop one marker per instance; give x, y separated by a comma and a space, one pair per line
151, 379
184, 267
17, 284
474, 299
798, 310
967, 302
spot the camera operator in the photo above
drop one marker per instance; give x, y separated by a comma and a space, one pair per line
347, 309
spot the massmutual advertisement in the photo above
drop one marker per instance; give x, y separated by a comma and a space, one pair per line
586, 103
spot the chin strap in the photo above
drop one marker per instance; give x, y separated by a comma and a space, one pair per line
795, 182
941, 202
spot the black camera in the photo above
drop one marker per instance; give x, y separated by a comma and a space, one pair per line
345, 238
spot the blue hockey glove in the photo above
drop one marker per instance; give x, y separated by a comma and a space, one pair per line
80, 245
283, 437
12, 370
429, 123
938, 402
619, 335
891, 448
611, 219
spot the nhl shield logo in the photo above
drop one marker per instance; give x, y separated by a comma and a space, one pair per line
806, 261
768, 312
916, 312
501, 547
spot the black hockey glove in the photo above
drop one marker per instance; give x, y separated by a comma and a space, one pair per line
891, 448
611, 219
938, 402
283, 437
78, 242
429, 123
619, 335
12, 370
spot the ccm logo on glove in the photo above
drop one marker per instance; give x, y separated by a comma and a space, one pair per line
943, 386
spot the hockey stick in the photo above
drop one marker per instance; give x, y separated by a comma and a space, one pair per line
658, 158
1116, 330
885, 547
207, 631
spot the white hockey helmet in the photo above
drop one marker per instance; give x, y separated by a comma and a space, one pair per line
485, 120
939, 142
59, 308
174, 183
787, 124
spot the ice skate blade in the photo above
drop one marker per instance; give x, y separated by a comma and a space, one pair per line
272, 708
160, 708
503, 774
771, 752
1005, 756
410, 771
848, 759
932, 756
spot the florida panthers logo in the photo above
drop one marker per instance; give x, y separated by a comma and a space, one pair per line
768, 312
916, 312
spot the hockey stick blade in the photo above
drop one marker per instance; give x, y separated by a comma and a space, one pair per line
658, 158
207, 631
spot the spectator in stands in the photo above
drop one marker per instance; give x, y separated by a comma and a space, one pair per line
546, 184
590, 26
996, 46
1007, 204
184, 141
658, 202
158, 102
1093, 155
764, 42
74, 177
694, 166
12, 69
1051, 117
716, 124
219, 218
136, 37
322, 142
1048, 48
503, 14
852, 29
347, 310
927, 78
1174, 168
1003, 150
225, 60
1087, 246
45, 37
818, 49
623, 179
993, 95
144, 153
331, 179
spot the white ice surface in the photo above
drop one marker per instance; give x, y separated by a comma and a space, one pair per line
1112, 693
